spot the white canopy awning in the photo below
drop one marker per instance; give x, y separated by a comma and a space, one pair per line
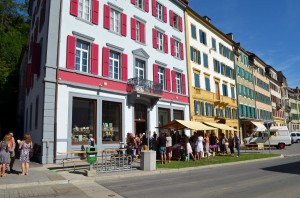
183, 124
260, 126
220, 126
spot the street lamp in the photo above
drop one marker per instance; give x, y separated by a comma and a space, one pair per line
268, 125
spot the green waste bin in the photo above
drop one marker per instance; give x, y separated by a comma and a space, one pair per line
91, 154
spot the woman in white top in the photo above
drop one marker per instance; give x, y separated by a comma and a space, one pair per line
199, 147
168, 146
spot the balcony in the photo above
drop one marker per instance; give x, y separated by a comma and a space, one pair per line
205, 95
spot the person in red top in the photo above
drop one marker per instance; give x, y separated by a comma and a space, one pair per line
12, 152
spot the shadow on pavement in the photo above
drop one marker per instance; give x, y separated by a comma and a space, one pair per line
292, 168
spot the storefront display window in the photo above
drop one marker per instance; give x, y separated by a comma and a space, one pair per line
163, 118
111, 122
178, 115
83, 120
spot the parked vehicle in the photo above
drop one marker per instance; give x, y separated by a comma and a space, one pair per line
279, 137
295, 136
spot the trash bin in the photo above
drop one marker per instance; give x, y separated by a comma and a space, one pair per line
148, 160
91, 154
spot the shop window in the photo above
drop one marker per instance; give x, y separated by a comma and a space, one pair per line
178, 115
111, 122
163, 116
83, 120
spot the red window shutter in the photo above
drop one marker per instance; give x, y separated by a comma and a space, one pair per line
183, 84
124, 24
106, 23
71, 48
173, 81
154, 8
133, 2
133, 28
171, 18
105, 61
155, 73
166, 43
172, 46
180, 24
74, 7
95, 55
95, 11
168, 79
142, 32
181, 51
124, 67
165, 14
154, 38
146, 5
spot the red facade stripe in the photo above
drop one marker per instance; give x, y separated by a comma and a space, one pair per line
124, 24
124, 67
95, 11
154, 8
180, 24
133, 28
133, 2
181, 51
146, 5
106, 14
172, 46
183, 84
154, 38
71, 48
142, 32
166, 47
155, 73
95, 62
74, 7
173, 73
171, 18
168, 79
165, 14
105, 61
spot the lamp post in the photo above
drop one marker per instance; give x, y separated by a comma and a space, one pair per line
268, 125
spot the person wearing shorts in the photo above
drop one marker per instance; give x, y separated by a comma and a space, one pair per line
168, 146
162, 147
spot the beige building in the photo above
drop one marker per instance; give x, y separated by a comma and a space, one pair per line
294, 103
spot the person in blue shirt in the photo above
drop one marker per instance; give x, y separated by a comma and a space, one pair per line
237, 143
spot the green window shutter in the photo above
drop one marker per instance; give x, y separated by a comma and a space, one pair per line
202, 108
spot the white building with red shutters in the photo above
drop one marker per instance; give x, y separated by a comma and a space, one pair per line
105, 68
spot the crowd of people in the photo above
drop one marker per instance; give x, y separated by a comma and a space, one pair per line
196, 147
8, 153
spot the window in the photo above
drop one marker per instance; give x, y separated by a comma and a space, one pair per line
232, 92
205, 60
84, 9
111, 122
163, 116
83, 120
207, 84
36, 112
213, 44
197, 80
178, 83
225, 90
193, 31
138, 30
82, 56
177, 48
161, 76
160, 41
178, 115
159, 11
195, 55
175, 21
115, 21
140, 68
216, 66
202, 36
114, 65
140, 4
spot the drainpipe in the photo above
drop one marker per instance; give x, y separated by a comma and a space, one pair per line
56, 83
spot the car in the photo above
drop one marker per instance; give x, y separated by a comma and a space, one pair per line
295, 136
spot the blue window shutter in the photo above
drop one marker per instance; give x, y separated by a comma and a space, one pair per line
204, 38
222, 69
245, 110
205, 60
227, 72
233, 74
208, 84
197, 81
199, 57
202, 108
219, 67
232, 92
200, 36
213, 110
249, 109
206, 109
215, 65
196, 107
193, 28
226, 112
217, 112
220, 48
192, 54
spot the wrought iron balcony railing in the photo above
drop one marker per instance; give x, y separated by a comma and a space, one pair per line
146, 86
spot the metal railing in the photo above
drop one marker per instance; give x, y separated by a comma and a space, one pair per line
146, 86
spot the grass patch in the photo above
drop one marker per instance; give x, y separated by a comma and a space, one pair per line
220, 159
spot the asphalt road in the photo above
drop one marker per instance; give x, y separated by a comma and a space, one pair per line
270, 178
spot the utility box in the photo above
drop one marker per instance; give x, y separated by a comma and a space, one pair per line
91, 154
148, 160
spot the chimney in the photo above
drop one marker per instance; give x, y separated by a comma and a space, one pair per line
230, 35
207, 18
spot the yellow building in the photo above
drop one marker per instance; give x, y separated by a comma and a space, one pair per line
212, 85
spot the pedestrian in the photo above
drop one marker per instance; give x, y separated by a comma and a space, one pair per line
199, 147
206, 141
130, 146
186, 145
144, 142
237, 143
231, 144
4, 154
12, 152
223, 140
25, 147
169, 146
162, 147
154, 141
91, 140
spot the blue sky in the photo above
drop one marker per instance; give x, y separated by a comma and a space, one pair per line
268, 28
